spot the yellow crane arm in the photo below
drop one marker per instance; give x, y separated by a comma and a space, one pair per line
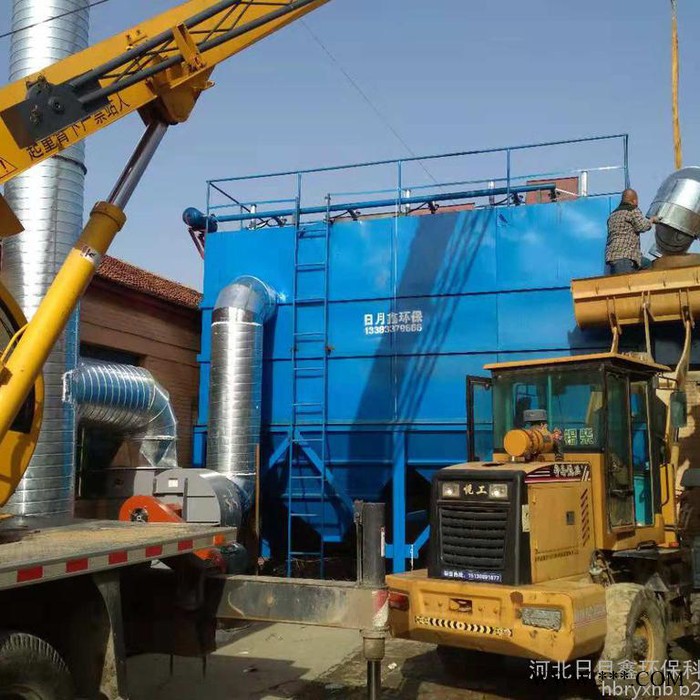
158, 68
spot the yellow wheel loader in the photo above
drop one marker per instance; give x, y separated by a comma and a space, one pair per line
571, 542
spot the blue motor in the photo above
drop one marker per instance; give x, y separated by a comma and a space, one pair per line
199, 221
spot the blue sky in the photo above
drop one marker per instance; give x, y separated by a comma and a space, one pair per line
447, 74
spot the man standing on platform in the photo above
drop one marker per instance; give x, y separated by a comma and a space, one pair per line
623, 252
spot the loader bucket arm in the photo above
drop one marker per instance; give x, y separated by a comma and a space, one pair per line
665, 293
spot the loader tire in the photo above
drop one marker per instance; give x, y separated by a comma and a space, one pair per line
636, 637
695, 616
31, 669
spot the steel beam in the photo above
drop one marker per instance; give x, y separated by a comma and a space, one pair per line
340, 604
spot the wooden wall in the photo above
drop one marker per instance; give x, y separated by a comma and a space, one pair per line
164, 337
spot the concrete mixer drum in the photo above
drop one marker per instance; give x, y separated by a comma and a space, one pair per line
677, 205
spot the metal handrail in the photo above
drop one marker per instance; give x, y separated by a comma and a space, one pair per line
380, 203
248, 211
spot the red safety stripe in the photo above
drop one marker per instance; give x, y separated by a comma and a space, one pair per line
75, 565
381, 598
69, 567
118, 558
32, 574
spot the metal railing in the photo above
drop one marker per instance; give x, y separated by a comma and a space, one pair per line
404, 194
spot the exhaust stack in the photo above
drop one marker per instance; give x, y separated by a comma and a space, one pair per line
48, 200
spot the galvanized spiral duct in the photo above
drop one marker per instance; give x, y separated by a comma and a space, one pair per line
127, 400
677, 205
235, 381
48, 199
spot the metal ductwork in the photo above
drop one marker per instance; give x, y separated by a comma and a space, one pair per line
126, 400
235, 381
677, 204
48, 200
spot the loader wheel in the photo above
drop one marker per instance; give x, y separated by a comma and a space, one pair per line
695, 616
31, 669
636, 636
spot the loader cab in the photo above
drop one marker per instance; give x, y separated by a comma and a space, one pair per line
604, 411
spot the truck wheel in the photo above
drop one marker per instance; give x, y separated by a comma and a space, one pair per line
458, 662
31, 669
636, 636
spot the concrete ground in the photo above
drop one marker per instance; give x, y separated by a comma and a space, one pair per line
268, 662
253, 662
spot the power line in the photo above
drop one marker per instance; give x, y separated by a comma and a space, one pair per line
382, 117
270, 3
51, 19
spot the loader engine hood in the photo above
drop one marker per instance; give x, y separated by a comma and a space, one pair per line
481, 526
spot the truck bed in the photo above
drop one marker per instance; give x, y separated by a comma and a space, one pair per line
33, 550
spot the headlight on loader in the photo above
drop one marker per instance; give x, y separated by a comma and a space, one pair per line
498, 491
449, 490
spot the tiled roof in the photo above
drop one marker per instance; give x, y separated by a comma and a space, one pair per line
140, 280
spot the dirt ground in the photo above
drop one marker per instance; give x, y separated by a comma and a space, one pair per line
269, 662
413, 670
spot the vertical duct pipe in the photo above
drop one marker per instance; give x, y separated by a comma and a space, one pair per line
48, 199
235, 381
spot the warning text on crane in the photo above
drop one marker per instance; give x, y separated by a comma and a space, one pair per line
78, 130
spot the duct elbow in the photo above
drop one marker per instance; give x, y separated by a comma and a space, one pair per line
246, 299
127, 400
677, 205
159, 436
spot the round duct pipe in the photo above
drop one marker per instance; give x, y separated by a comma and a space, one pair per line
127, 400
677, 204
235, 381
48, 199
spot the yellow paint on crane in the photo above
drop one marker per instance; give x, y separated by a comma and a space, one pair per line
161, 96
169, 96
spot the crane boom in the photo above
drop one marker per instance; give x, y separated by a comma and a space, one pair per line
158, 68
